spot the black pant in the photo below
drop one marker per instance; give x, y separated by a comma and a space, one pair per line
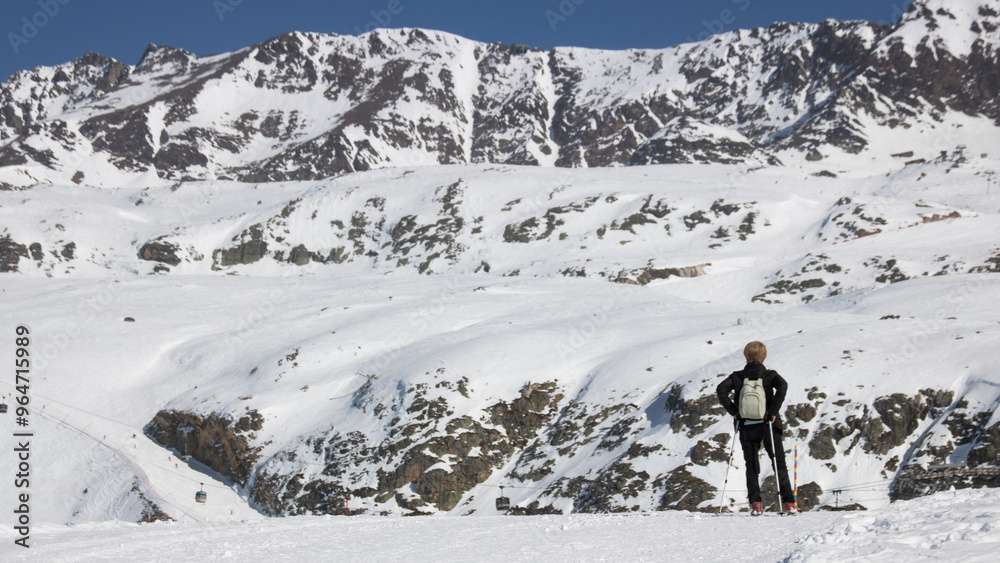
751, 438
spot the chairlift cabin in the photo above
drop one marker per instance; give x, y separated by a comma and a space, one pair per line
201, 496
503, 503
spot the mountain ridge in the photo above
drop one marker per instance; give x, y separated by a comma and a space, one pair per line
305, 106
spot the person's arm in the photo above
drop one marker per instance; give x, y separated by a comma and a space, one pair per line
723, 391
780, 387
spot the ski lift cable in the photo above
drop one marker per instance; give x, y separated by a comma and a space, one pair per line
78, 409
141, 474
515, 487
131, 459
869, 485
43, 413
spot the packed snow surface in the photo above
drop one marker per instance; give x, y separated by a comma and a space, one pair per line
948, 526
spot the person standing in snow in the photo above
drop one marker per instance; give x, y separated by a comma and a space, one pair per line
753, 430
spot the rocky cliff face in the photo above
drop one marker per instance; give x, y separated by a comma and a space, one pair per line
305, 106
216, 440
427, 457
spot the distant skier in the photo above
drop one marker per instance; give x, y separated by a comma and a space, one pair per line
759, 393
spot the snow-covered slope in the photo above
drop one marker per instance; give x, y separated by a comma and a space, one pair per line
409, 340
305, 106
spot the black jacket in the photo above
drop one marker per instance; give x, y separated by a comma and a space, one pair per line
775, 388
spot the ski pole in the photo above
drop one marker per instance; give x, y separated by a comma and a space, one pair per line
732, 449
774, 462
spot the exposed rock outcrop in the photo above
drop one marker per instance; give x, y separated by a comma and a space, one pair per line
223, 443
160, 251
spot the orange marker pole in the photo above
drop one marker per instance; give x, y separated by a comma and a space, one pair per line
795, 491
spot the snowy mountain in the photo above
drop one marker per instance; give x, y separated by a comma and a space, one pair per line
308, 106
392, 273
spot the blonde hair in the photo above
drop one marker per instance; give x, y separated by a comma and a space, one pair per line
755, 352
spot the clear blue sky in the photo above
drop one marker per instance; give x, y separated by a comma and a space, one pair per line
49, 32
